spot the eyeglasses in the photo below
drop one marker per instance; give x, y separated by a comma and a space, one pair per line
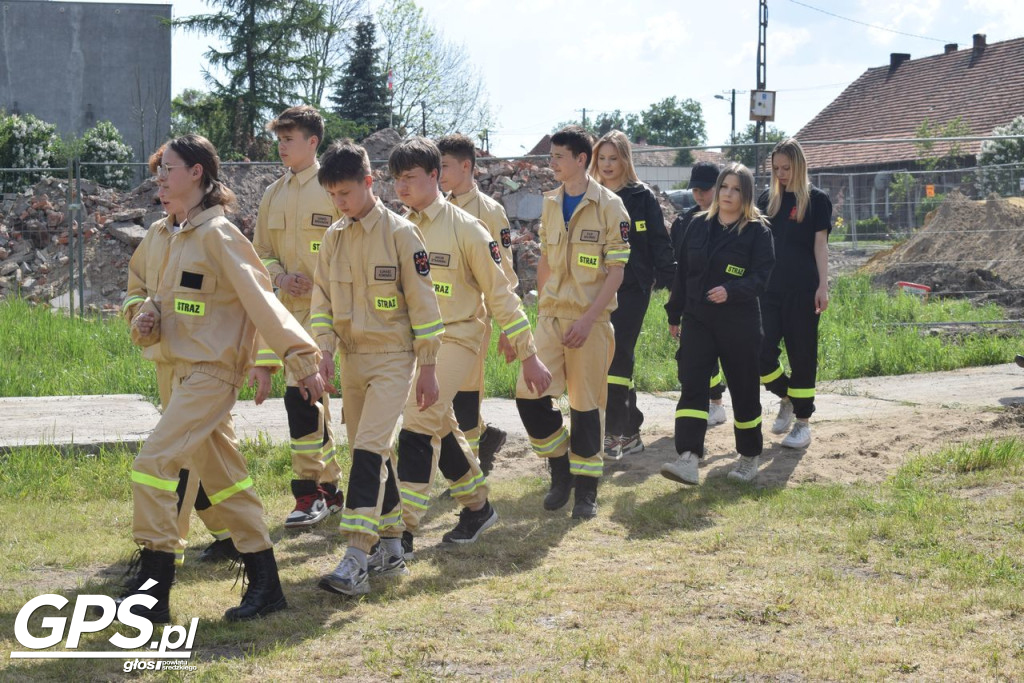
164, 170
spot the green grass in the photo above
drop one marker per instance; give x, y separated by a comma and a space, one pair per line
919, 574
46, 354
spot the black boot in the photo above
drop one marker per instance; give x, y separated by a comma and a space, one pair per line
561, 483
158, 566
264, 594
220, 551
585, 504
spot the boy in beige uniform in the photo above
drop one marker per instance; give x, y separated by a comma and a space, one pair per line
466, 269
293, 216
583, 233
458, 158
374, 306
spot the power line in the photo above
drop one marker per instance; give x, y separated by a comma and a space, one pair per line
864, 23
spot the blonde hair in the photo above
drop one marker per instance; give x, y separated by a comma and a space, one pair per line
799, 184
749, 212
618, 140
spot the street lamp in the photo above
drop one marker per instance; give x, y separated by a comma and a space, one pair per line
732, 110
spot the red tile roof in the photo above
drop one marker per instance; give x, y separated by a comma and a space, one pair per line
985, 88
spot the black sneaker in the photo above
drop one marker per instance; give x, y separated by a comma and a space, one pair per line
472, 524
407, 551
220, 551
490, 443
1019, 360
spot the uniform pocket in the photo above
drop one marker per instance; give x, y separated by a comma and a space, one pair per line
385, 299
276, 221
341, 290
444, 269
193, 295
587, 255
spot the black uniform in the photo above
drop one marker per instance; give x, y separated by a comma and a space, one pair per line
787, 307
651, 263
742, 262
679, 226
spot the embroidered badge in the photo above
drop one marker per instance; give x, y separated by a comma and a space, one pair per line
588, 260
624, 230
440, 260
387, 273
506, 237
321, 220
735, 270
495, 252
422, 264
641, 226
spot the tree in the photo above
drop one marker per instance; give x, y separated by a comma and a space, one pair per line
739, 148
929, 159
434, 83
670, 123
325, 47
261, 61
103, 144
361, 92
1000, 160
206, 114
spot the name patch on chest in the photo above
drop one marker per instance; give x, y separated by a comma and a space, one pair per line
385, 273
641, 226
187, 307
191, 280
442, 260
735, 270
442, 288
314, 247
385, 303
320, 220
589, 261
590, 236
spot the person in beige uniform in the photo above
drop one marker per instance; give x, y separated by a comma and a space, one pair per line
583, 233
466, 269
374, 306
143, 278
458, 159
213, 295
293, 216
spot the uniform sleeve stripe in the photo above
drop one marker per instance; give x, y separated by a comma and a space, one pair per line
132, 300
515, 328
267, 262
267, 358
428, 331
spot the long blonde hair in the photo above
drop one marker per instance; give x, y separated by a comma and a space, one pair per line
618, 140
749, 212
799, 184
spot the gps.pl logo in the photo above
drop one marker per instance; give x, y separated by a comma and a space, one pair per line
175, 641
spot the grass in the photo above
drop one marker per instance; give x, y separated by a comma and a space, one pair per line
51, 355
921, 574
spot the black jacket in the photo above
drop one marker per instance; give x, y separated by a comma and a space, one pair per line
679, 226
651, 259
741, 262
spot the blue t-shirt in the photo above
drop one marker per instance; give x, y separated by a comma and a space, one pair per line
569, 204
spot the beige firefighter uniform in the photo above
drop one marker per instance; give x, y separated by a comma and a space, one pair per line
492, 215
143, 279
294, 214
213, 294
578, 256
465, 265
373, 304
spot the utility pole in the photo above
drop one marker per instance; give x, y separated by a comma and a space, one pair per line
584, 110
762, 77
423, 110
732, 111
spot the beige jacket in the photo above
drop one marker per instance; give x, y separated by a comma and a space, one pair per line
580, 253
144, 276
465, 265
479, 205
213, 295
372, 291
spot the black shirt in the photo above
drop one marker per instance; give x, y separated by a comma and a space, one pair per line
651, 260
795, 267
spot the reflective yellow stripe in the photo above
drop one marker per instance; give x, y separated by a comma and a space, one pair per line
717, 379
359, 523
747, 425
470, 486
307, 445
221, 496
391, 520
267, 262
267, 357
154, 482
549, 446
327, 455
429, 330
322, 320
696, 414
622, 381
132, 300
800, 393
220, 534
617, 255
417, 500
772, 376
179, 556
586, 467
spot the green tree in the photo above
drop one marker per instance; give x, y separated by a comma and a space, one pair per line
206, 114
670, 123
739, 148
928, 156
1000, 160
325, 47
361, 92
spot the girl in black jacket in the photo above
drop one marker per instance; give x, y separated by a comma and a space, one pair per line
651, 262
725, 262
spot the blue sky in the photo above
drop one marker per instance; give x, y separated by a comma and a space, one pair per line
543, 60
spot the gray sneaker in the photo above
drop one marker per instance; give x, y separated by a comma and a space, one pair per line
348, 578
612, 447
716, 414
784, 418
799, 436
683, 469
383, 564
746, 468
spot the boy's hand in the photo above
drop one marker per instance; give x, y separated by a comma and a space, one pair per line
327, 372
295, 284
674, 330
312, 388
506, 349
427, 389
260, 376
144, 323
536, 375
578, 333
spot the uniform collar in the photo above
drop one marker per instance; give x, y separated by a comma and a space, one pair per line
370, 220
305, 175
203, 217
164, 224
430, 212
592, 194
462, 200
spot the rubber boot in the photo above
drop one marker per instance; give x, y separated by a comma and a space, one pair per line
561, 483
155, 567
263, 595
585, 504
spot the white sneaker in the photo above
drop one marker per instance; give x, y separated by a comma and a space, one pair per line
383, 564
683, 469
716, 414
799, 437
612, 447
784, 418
746, 468
348, 578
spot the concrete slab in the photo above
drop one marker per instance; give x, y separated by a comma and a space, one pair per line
83, 421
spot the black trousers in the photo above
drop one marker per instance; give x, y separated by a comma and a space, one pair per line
733, 335
789, 317
622, 417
